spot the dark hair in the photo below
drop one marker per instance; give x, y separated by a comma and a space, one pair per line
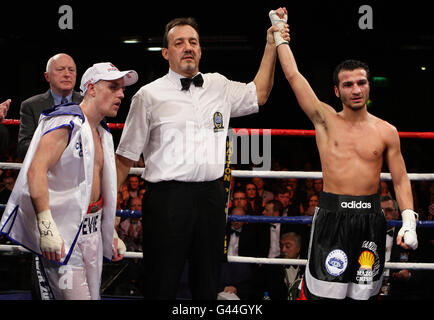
349, 65
179, 22
281, 190
277, 206
389, 198
386, 198
238, 190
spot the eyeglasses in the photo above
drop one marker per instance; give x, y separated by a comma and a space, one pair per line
388, 209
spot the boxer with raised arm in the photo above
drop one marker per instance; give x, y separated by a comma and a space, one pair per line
346, 255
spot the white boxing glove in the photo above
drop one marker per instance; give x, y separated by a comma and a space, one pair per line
408, 229
280, 23
51, 241
120, 244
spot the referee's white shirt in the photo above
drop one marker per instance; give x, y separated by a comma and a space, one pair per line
179, 132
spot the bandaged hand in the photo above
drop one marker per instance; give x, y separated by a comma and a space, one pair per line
278, 18
119, 247
51, 243
408, 230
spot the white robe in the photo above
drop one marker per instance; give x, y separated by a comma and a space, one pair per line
69, 184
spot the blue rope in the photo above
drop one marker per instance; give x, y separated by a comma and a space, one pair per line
264, 219
308, 220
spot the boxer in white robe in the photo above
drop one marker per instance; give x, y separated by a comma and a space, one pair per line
63, 204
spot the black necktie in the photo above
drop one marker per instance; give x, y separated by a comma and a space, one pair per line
237, 233
390, 232
197, 81
64, 100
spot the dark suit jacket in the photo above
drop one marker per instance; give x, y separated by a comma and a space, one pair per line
406, 289
30, 111
268, 278
249, 244
263, 233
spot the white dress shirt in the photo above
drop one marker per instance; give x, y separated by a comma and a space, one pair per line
274, 250
179, 132
234, 242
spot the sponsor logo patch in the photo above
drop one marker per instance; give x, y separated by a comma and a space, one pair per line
369, 263
336, 262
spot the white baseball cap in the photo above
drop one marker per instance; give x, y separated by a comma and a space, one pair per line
106, 71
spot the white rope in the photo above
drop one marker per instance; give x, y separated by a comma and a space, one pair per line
261, 174
316, 175
235, 259
302, 262
10, 166
266, 174
19, 249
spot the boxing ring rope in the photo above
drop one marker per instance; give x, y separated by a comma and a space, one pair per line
273, 132
238, 259
265, 174
259, 219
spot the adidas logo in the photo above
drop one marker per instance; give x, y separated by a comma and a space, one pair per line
356, 205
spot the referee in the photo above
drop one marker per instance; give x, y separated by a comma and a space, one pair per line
179, 122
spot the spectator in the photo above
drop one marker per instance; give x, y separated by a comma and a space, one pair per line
131, 228
239, 200
6, 186
282, 195
317, 185
124, 195
398, 284
426, 246
430, 215
4, 107
60, 74
242, 237
295, 206
263, 194
4, 133
280, 281
272, 231
312, 203
133, 186
304, 229
306, 191
253, 199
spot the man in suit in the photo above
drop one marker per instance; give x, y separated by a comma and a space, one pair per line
242, 240
404, 283
61, 74
242, 237
271, 232
280, 281
4, 107
4, 133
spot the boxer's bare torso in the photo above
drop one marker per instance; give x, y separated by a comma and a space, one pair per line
98, 166
352, 143
351, 152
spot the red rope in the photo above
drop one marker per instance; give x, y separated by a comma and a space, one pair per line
273, 132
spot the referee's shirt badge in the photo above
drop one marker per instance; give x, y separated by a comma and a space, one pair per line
218, 121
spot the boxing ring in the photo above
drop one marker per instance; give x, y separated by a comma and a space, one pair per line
16, 249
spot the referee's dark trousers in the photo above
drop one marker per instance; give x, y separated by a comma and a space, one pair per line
183, 221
